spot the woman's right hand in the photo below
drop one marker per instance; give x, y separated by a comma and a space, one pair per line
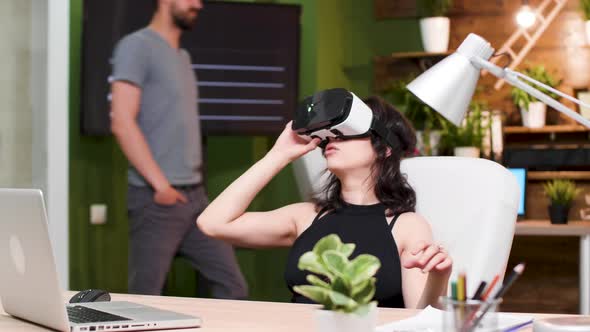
291, 146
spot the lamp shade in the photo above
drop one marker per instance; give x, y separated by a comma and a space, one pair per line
449, 85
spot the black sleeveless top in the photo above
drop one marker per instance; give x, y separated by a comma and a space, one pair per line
365, 226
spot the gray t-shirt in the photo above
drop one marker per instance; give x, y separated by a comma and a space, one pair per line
168, 115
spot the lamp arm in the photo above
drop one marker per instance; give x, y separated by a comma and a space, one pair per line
557, 92
512, 77
513, 80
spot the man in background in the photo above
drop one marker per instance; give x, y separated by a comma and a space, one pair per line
155, 120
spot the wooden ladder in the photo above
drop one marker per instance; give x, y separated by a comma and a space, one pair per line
531, 37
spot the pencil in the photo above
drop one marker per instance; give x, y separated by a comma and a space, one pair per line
464, 286
461, 287
490, 287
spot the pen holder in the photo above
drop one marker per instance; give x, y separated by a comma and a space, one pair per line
459, 316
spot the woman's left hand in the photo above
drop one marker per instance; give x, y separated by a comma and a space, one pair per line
428, 257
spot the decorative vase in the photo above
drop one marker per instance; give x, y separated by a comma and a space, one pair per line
466, 151
435, 34
534, 117
334, 321
558, 213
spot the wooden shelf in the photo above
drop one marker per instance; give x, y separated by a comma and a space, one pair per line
545, 130
570, 175
419, 58
413, 55
546, 228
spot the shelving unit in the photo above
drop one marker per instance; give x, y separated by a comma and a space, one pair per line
545, 130
411, 55
546, 228
550, 175
402, 64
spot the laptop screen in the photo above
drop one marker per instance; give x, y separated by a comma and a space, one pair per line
520, 174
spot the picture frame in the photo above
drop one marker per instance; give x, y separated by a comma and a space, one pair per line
584, 96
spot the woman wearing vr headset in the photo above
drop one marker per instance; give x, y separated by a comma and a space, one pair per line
366, 201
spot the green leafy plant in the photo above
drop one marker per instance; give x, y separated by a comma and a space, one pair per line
539, 73
585, 4
338, 283
422, 116
435, 8
561, 192
471, 133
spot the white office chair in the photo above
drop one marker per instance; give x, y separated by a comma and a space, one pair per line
472, 206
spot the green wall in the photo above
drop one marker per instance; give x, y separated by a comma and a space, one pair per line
339, 39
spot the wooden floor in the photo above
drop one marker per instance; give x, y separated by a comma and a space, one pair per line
550, 281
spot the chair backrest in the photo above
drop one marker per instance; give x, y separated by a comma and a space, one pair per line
472, 206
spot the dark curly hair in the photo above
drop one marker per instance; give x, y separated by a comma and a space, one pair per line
391, 186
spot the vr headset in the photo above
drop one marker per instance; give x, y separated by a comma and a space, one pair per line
337, 113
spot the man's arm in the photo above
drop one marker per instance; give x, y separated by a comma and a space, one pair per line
124, 110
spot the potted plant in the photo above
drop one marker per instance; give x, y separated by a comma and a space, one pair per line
426, 121
344, 287
434, 26
585, 4
466, 140
532, 110
561, 195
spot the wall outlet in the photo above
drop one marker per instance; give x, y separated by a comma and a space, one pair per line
98, 214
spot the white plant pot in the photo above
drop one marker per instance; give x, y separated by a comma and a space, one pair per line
333, 321
588, 32
535, 116
467, 151
435, 34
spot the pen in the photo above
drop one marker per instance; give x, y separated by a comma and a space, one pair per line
516, 272
517, 326
479, 290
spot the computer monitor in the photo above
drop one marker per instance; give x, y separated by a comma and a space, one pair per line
521, 174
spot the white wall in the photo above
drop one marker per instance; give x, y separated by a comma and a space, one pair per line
34, 76
58, 43
38, 84
15, 94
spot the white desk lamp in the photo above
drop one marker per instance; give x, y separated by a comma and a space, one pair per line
449, 85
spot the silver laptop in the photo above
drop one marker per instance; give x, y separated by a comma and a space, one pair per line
29, 287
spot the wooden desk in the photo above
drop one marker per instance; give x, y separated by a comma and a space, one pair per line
229, 316
572, 228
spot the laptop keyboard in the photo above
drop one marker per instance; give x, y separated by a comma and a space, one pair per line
79, 314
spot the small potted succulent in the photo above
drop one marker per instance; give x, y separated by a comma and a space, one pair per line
532, 111
561, 194
344, 287
466, 140
434, 25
